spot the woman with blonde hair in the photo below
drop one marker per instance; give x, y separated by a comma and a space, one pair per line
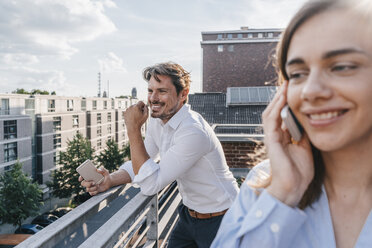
316, 192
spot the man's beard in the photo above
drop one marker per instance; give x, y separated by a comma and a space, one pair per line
165, 115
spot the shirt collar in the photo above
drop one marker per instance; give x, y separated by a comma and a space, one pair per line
176, 119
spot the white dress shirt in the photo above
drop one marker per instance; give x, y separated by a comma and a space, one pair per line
190, 153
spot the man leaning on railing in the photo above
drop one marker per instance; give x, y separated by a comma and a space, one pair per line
189, 152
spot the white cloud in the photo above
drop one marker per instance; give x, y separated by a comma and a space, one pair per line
111, 63
48, 27
18, 59
30, 78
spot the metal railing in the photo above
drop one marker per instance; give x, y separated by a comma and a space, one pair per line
120, 217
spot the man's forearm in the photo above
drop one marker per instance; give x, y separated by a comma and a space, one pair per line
138, 151
119, 177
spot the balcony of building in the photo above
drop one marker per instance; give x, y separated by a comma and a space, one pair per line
120, 217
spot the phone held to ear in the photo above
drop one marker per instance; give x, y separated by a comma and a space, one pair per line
294, 127
89, 172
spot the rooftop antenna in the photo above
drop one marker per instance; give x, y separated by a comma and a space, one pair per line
99, 84
108, 88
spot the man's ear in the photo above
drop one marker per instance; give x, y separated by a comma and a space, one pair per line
184, 94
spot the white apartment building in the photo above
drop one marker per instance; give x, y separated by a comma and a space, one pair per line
35, 128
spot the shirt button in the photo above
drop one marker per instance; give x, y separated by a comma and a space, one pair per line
259, 213
274, 228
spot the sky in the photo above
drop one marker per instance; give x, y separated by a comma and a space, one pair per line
62, 45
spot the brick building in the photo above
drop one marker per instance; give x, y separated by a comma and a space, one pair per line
235, 117
239, 58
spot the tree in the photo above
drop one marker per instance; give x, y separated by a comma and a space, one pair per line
40, 92
111, 157
19, 197
21, 91
126, 151
65, 181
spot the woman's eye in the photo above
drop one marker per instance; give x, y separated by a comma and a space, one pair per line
296, 75
342, 68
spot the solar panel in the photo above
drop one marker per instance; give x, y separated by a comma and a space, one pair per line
250, 95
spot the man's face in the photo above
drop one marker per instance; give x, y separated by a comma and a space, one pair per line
163, 99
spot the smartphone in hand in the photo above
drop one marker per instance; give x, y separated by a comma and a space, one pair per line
294, 127
89, 172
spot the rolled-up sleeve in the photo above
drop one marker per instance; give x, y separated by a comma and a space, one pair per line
188, 147
127, 166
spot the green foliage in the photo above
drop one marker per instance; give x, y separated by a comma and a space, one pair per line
21, 91
19, 197
126, 151
65, 181
33, 92
240, 180
40, 92
111, 157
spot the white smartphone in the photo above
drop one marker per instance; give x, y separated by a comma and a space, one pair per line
294, 127
89, 172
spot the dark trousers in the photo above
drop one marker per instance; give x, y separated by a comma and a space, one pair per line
191, 232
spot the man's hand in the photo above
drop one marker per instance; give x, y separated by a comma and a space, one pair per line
135, 116
94, 189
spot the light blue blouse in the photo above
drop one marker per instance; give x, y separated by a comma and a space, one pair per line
260, 220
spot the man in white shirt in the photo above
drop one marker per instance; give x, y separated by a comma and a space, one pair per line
189, 153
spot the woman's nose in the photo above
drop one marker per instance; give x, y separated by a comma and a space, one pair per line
316, 87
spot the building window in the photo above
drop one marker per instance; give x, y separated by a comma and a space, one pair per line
105, 104
75, 121
270, 35
112, 104
83, 105
30, 107
229, 36
99, 118
240, 36
57, 123
99, 144
10, 129
250, 35
219, 37
126, 104
119, 103
56, 140
70, 105
94, 104
10, 152
260, 35
4, 107
108, 117
51, 106
30, 104
109, 129
99, 131
56, 158
230, 48
220, 48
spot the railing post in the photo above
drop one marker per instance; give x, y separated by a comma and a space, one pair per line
152, 221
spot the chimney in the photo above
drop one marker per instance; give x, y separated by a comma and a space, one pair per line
244, 28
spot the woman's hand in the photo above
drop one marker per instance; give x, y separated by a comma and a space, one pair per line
291, 164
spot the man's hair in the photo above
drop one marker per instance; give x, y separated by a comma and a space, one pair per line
179, 76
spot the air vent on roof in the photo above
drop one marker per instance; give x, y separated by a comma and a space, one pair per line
250, 95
